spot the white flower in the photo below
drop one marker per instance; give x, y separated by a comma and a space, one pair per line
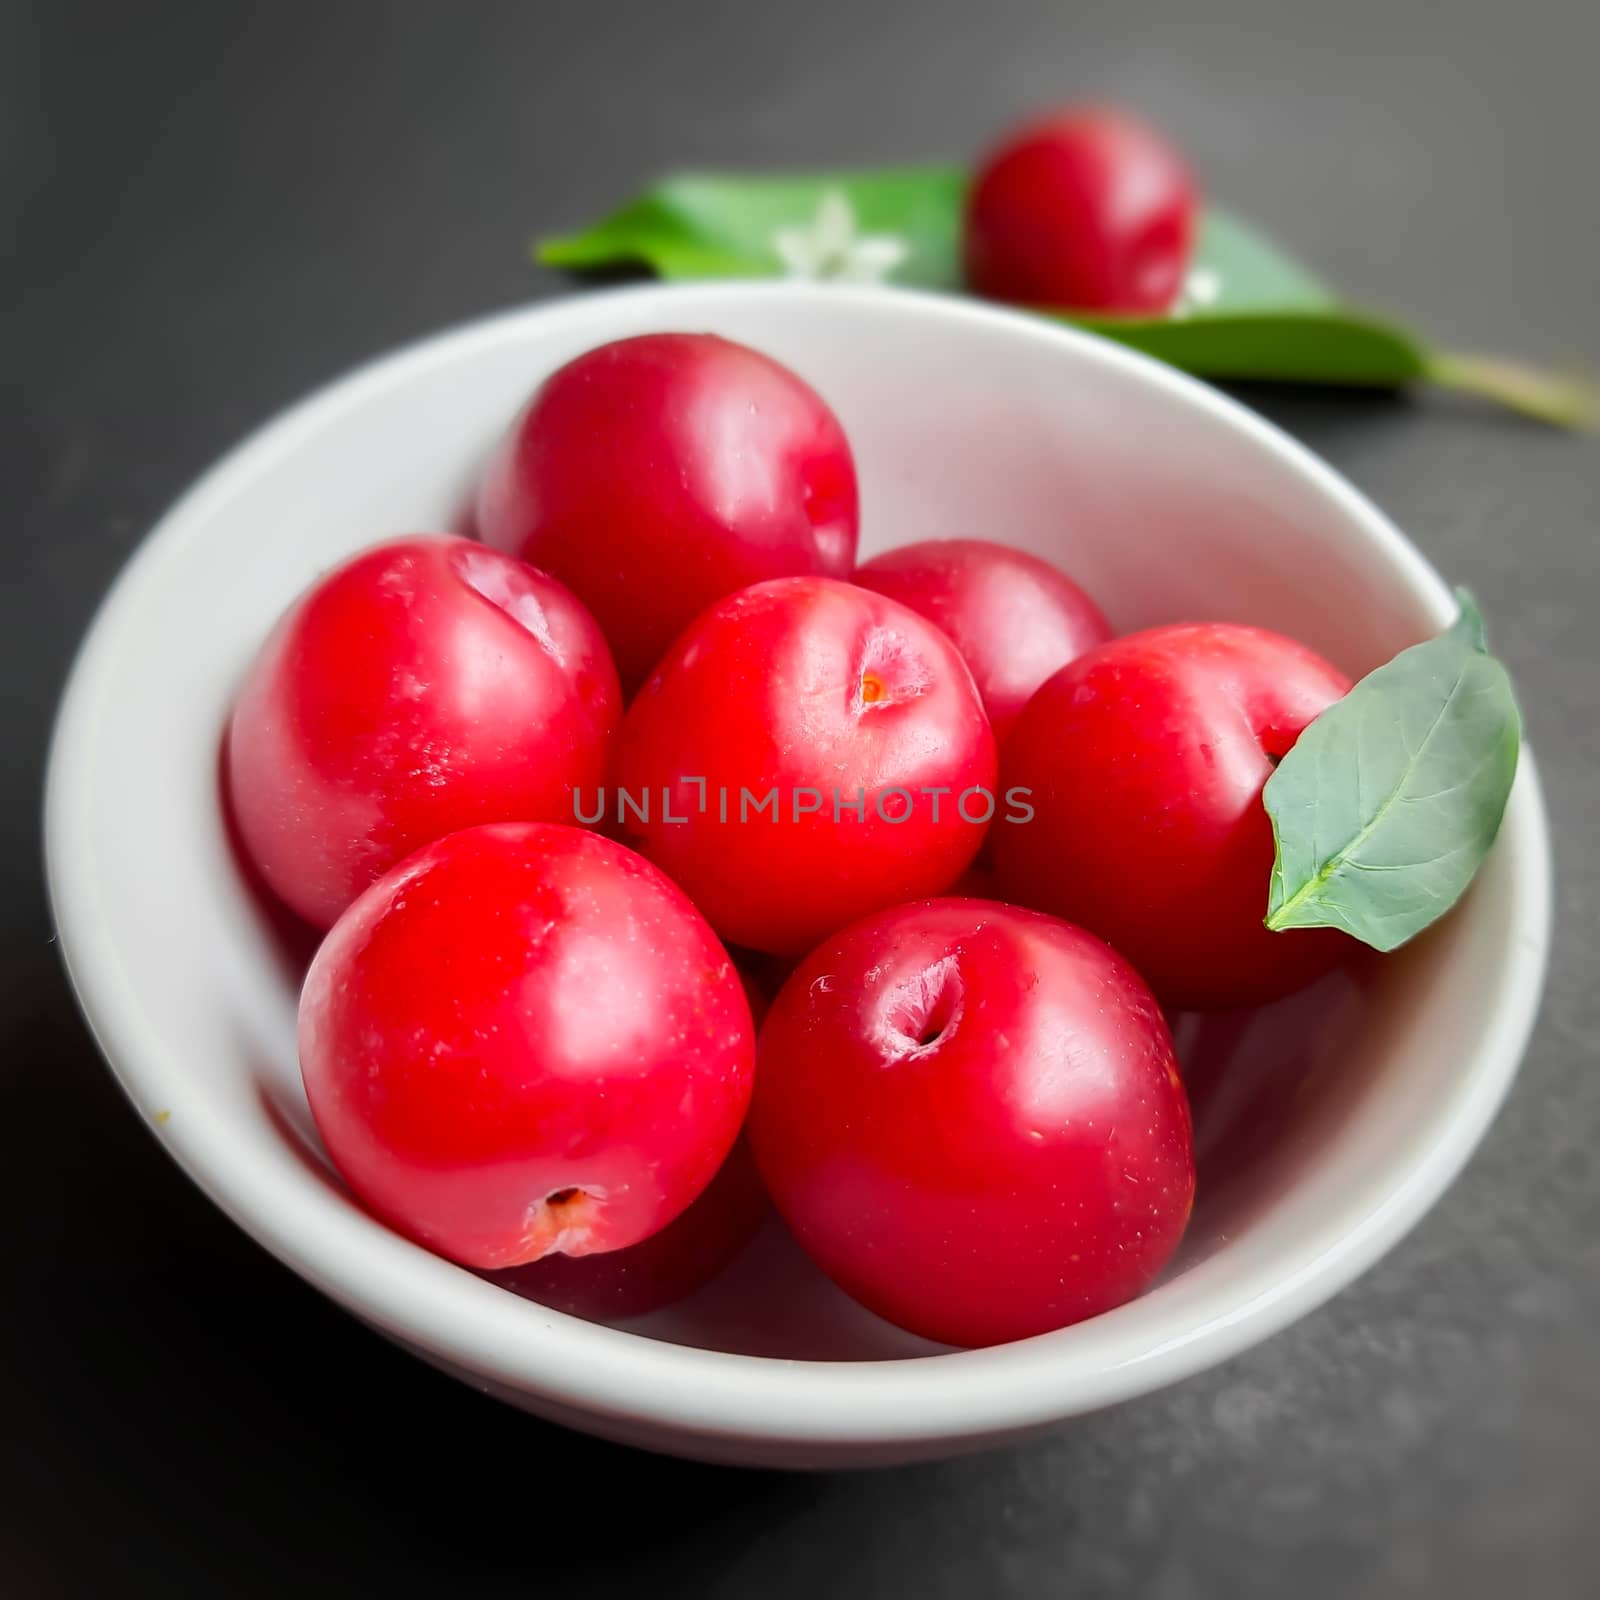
1201, 288
828, 248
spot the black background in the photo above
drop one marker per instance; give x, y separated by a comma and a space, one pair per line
212, 207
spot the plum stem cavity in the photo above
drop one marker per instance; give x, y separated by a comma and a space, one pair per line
501, 585
562, 1223
888, 672
923, 1010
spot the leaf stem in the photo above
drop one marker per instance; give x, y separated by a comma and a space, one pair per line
1566, 401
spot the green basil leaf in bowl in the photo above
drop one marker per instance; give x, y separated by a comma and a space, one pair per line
1386, 804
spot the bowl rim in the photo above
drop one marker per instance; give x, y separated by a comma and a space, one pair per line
467, 1323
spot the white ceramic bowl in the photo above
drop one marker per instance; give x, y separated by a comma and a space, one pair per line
1341, 1115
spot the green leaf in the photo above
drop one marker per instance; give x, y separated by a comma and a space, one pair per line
699, 225
1387, 803
1327, 345
1265, 316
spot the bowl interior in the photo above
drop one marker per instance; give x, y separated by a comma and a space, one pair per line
1167, 502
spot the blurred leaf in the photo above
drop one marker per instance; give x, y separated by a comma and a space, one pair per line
702, 226
1330, 345
1252, 312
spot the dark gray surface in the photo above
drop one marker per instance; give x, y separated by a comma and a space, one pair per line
214, 207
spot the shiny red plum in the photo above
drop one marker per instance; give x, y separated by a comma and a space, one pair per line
525, 1039
970, 1116
656, 474
788, 749
1145, 760
1088, 208
426, 685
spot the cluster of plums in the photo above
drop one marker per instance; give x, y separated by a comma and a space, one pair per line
570, 796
